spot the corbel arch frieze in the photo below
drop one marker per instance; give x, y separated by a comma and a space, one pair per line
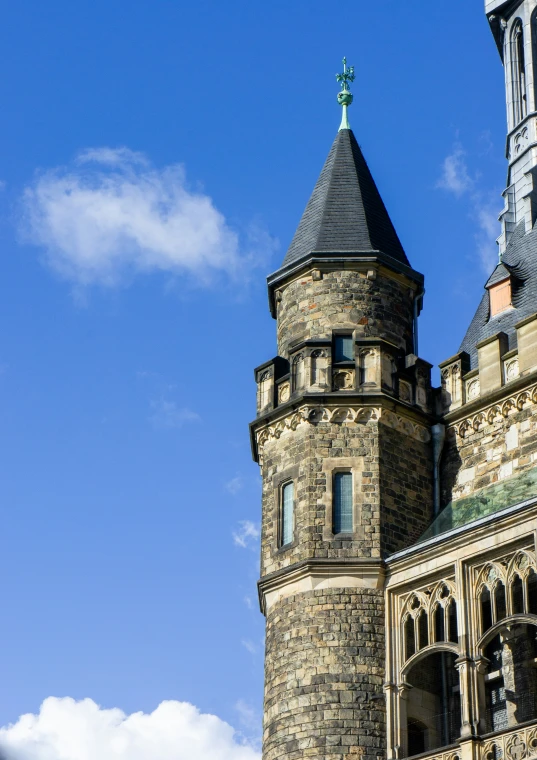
496, 412
312, 414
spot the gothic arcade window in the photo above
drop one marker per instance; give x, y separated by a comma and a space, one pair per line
518, 73
343, 503
287, 518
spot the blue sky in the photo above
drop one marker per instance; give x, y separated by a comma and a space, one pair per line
156, 159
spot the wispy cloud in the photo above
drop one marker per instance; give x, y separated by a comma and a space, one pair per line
112, 214
234, 485
79, 730
167, 414
246, 534
455, 177
248, 602
249, 646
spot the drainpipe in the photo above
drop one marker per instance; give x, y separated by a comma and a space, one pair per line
439, 436
418, 305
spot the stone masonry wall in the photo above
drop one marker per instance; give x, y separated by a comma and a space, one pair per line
392, 491
309, 308
490, 454
324, 698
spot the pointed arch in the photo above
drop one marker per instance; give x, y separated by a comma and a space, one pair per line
518, 72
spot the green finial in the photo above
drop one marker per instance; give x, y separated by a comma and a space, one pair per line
344, 97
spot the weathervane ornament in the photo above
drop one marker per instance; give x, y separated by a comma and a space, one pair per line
344, 97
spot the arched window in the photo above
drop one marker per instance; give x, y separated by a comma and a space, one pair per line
531, 592
534, 49
287, 516
343, 503
410, 637
500, 605
517, 595
452, 621
439, 627
298, 372
486, 610
518, 73
433, 703
423, 630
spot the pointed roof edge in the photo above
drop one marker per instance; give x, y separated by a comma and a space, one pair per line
345, 212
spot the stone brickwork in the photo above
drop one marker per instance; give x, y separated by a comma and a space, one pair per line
490, 450
324, 672
370, 303
392, 490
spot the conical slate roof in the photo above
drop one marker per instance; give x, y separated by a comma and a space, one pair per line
345, 214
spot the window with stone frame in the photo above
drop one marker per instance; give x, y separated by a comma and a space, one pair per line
287, 513
429, 647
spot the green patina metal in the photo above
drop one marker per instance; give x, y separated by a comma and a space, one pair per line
344, 97
487, 501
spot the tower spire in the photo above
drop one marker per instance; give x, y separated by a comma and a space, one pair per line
344, 97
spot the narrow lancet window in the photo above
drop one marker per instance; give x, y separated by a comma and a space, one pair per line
517, 595
343, 503
423, 629
453, 630
439, 623
531, 592
499, 601
518, 73
410, 637
486, 610
288, 509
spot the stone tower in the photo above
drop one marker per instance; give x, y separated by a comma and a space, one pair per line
344, 443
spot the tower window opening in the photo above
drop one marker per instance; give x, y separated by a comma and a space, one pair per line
287, 516
298, 372
343, 503
343, 348
518, 73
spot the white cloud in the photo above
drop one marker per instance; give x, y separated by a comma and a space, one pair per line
65, 729
455, 178
234, 485
248, 602
112, 214
247, 534
167, 414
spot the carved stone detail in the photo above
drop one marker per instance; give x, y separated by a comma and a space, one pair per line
496, 411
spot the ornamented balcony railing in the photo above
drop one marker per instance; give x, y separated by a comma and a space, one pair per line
517, 744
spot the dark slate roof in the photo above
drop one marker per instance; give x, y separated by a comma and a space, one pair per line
345, 214
520, 260
500, 273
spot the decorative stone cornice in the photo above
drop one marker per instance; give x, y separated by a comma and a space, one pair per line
496, 411
312, 414
318, 574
